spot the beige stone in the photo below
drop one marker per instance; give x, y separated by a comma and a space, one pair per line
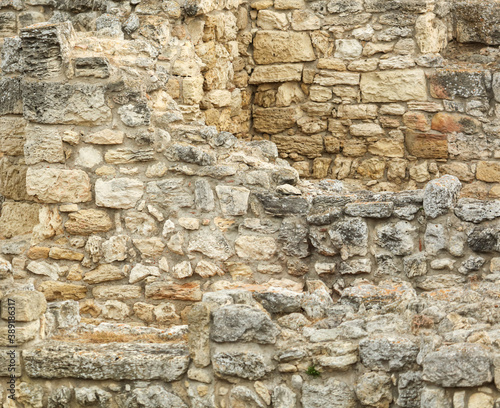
43, 144
387, 148
393, 86
366, 130
54, 290
65, 254
140, 272
207, 269
105, 137
282, 46
359, 111
12, 135
309, 146
272, 20
149, 247
335, 64
182, 270
103, 273
481, 400
330, 78
18, 218
303, 20
119, 292
28, 306
255, 247
86, 222
274, 120
431, 33
320, 93
427, 145
165, 313
320, 167
192, 90
276, 73
372, 168
24, 333
166, 290
144, 311
488, 171
288, 93
51, 185
13, 179
288, 4
37, 252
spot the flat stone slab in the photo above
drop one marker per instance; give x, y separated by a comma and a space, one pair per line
110, 361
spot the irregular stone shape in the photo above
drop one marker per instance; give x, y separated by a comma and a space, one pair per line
282, 206
476, 211
115, 361
154, 396
293, 235
248, 365
370, 209
124, 156
427, 145
435, 238
139, 272
203, 195
329, 394
350, 236
87, 222
413, 6
44, 268
12, 135
475, 22
92, 395
50, 185
488, 171
46, 48
244, 397
371, 296
434, 397
242, 323
54, 290
255, 247
374, 390
105, 137
282, 46
483, 239
18, 218
64, 253
283, 397
118, 292
277, 300
459, 365
387, 353
97, 67
464, 83
211, 244
410, 386
56, 103
274, 120
263, 74
12, 102
394, 86
449, 123
397, 238
191, 154
309, 146
120, 193
149, 247
198, 318
233, 200
165, 290
440, 195
24, 306
135, 115
24, 333
103, 273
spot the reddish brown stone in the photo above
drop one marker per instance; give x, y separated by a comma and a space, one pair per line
449, 122
416, 121
428, 145
165, 290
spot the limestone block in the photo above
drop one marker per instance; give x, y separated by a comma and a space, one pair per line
166, 290
282, 46
393, 86
276, 73
476, 21
118, 193
86, 222
24, 333
43, 144
103, 273
274, 120
118, 292
427, 145
105, 137
50, 185
488, 171
27, 306
12, 135
248, 365
54, 290
323, 393
233, 200
18, 218
440, 195
431, 34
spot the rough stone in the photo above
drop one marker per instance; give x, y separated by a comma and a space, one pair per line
393, 86
282, 46
440, 195
120, 193
387, 354
331, 394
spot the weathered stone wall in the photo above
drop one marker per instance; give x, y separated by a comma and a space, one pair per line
156, 261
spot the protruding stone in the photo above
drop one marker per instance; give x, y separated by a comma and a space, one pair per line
440, 195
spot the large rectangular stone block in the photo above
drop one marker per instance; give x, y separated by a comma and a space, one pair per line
276, 73
393, 86
57, 103
465, 83
427, 145
58, 185
114, 361
477, 21
282, 46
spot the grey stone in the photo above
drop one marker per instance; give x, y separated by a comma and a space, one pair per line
242, 364
472, 210
356, 266
204, 196
293, 235
56, 103
410, 386
459, 365
415, 265
433, 397
66, 314
350, 236
471, 264
242, 323
475, 22
60, 397
328, 394
198, 319
435, 238
396, 238
406, 212
11, 55
211, 244
233, 200
374, 390
388, 354
131, 24
191, 154
12, 101
135, 115
283, 397
282, 206
280, 301
440, 195
268, 148
323, 215
97, 67
93, 396
155, 396
114, 361
370, 209
483, 239
242, 396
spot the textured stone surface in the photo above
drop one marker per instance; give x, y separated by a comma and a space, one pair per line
248, 365
392, 86
118, 193
282, 46
332, 394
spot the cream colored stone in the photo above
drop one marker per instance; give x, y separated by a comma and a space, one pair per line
326, 78
149, 247
366, 130
86, 222
272, 20
431, 33
276, 73
119, 292
392, 86
255, 247
303, 20
289, 93
139, 272
105, 137
387, 148
103, 273
207, 269
189, 223
88, 157
54, 290
282, 46
120, 193
488, 171
320, 93
192, 90
481, 400
182, 270
51, 185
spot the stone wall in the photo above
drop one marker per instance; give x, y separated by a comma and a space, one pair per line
150, 259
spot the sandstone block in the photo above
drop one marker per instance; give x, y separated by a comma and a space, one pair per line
24, 333
166, 290
488, 171
18, 218
326, 78
103, 273
309, 146
276, 73
274, 120
118, 292
66, 254
86, 222
105, 137
394, 86
427, 145
13, 179
282, 46
54, 290
12, 136
27, 306
51, 185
